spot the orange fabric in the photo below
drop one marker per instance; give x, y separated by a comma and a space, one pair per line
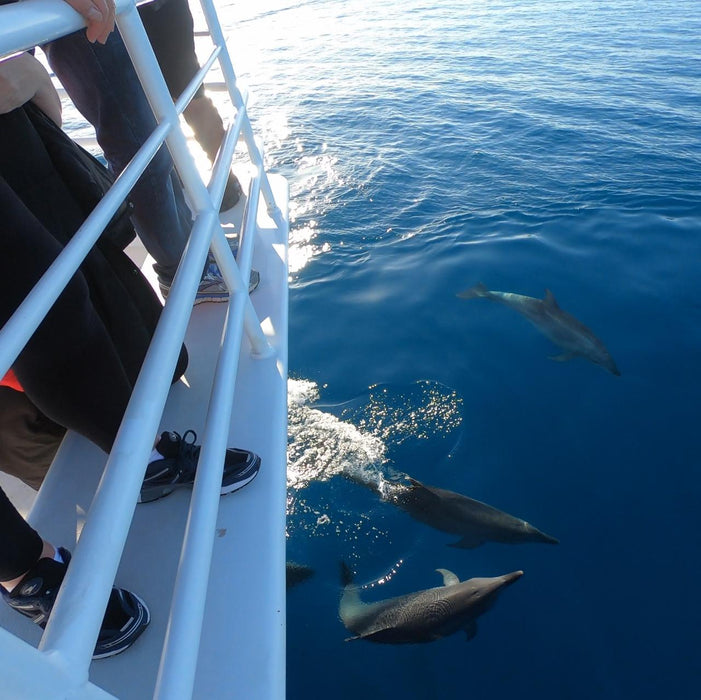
10, 380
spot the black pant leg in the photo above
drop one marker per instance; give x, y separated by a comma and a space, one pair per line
20, 545
69, 368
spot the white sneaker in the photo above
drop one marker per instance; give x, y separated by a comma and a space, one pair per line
212, 286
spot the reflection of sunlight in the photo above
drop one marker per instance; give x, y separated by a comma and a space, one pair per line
359, 440
422, 411
302, 249
312, 187
320, 445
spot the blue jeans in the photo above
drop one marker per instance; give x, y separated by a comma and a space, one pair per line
103, 85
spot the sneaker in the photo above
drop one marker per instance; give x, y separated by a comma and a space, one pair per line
212, 286
126, 616
232, 193
179, 464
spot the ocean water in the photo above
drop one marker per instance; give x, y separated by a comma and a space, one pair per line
530, 146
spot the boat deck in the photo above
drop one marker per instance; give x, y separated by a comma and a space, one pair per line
244, 621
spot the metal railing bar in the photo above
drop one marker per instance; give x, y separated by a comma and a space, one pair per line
273, 210
146, 65
245, 253
260, 347
176, 675
229, 74
188, 93
21, 325
259, 344
77, 614
18, 656
232, 275
35, 22
178, 666
222, 164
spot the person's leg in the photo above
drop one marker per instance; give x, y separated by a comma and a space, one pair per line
71, 371
28, 439
69, 368
20, 545
170, 29
104, 86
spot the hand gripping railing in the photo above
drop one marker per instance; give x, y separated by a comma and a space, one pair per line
66, 648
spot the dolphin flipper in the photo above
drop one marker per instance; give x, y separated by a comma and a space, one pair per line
564, 357
468, 542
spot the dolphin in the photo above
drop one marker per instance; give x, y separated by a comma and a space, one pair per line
296, 573
559, 326
452, 512
423, 616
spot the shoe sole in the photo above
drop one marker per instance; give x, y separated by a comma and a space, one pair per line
210, 297
230, 488
253, 283
147, 495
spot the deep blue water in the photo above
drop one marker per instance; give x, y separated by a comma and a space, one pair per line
531, 146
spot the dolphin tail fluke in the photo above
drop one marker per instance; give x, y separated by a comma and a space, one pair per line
347, 575
479, 290
563, 357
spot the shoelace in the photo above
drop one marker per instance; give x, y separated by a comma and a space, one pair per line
188, 452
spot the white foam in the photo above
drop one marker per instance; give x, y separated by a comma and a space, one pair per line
320, 446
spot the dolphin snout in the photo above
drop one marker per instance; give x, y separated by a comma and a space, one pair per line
508, 579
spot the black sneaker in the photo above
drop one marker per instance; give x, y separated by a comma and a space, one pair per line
126, 616
179, 464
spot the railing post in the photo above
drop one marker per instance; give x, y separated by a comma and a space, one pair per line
227, 67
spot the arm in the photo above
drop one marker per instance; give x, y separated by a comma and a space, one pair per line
24, 79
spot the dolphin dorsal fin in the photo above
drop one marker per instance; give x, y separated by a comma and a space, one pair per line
549, 300
449, 578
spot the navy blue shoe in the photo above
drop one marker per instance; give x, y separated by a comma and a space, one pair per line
179, 464
126, 616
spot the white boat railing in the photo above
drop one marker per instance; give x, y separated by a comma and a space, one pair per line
64, 655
